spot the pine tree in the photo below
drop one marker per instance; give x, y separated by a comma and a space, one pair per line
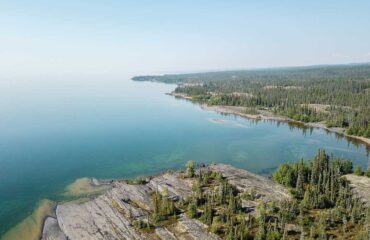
190, 168
300, 184
192, 210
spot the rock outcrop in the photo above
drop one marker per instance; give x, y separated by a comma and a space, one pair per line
360, 186
111, 215
52, 230
246, 182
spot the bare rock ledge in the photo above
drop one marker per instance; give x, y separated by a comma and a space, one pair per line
110, 216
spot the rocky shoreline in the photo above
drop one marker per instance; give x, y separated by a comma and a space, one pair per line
115, 213
112, 215
265, 115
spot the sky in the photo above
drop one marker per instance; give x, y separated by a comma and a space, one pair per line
62, 38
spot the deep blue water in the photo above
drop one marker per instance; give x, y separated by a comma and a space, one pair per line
53, 132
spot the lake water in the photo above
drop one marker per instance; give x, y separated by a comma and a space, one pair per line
53, 132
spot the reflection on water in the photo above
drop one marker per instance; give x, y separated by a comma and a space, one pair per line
307, 129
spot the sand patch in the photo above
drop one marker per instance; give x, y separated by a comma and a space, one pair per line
85, 187
79, 191
31, 227
227, 122
217, 120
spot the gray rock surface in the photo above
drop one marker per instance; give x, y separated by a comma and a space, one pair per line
360, 186
246, 181
164, 234
106, 217
52, 230
176, 186
187, 228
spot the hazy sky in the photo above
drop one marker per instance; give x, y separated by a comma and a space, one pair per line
102, 37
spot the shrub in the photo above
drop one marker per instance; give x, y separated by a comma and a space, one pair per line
358, 171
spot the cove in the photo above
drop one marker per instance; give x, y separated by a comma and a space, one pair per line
56, 131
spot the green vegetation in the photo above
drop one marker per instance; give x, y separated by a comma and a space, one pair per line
321, 206
164, 207
358, 171
190, 168
338, 95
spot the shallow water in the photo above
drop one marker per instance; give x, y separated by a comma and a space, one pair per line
30, 227
83, 187
53, 132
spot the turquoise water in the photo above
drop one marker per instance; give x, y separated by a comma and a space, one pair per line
52, 132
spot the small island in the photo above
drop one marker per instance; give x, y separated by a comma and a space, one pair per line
316, 199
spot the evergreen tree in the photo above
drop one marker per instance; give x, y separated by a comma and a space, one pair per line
190, 168
192, 210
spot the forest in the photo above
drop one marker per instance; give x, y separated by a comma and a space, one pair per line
337, 95
322, 205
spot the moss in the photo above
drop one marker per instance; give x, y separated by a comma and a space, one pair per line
118, 207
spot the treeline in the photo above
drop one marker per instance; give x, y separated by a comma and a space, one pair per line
322, 205
341, 93
320, 192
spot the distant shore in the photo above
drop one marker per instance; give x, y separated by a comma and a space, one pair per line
265, 115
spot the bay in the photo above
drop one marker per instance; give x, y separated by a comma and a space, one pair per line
53, 132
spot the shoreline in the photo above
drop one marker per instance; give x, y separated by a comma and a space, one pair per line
265, 115
120, 207
81, 190
31, 226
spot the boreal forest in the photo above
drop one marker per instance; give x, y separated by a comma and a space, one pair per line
337, 95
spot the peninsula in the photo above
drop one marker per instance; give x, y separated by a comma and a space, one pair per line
316, 199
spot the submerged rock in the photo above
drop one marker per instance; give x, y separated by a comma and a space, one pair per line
31, 227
